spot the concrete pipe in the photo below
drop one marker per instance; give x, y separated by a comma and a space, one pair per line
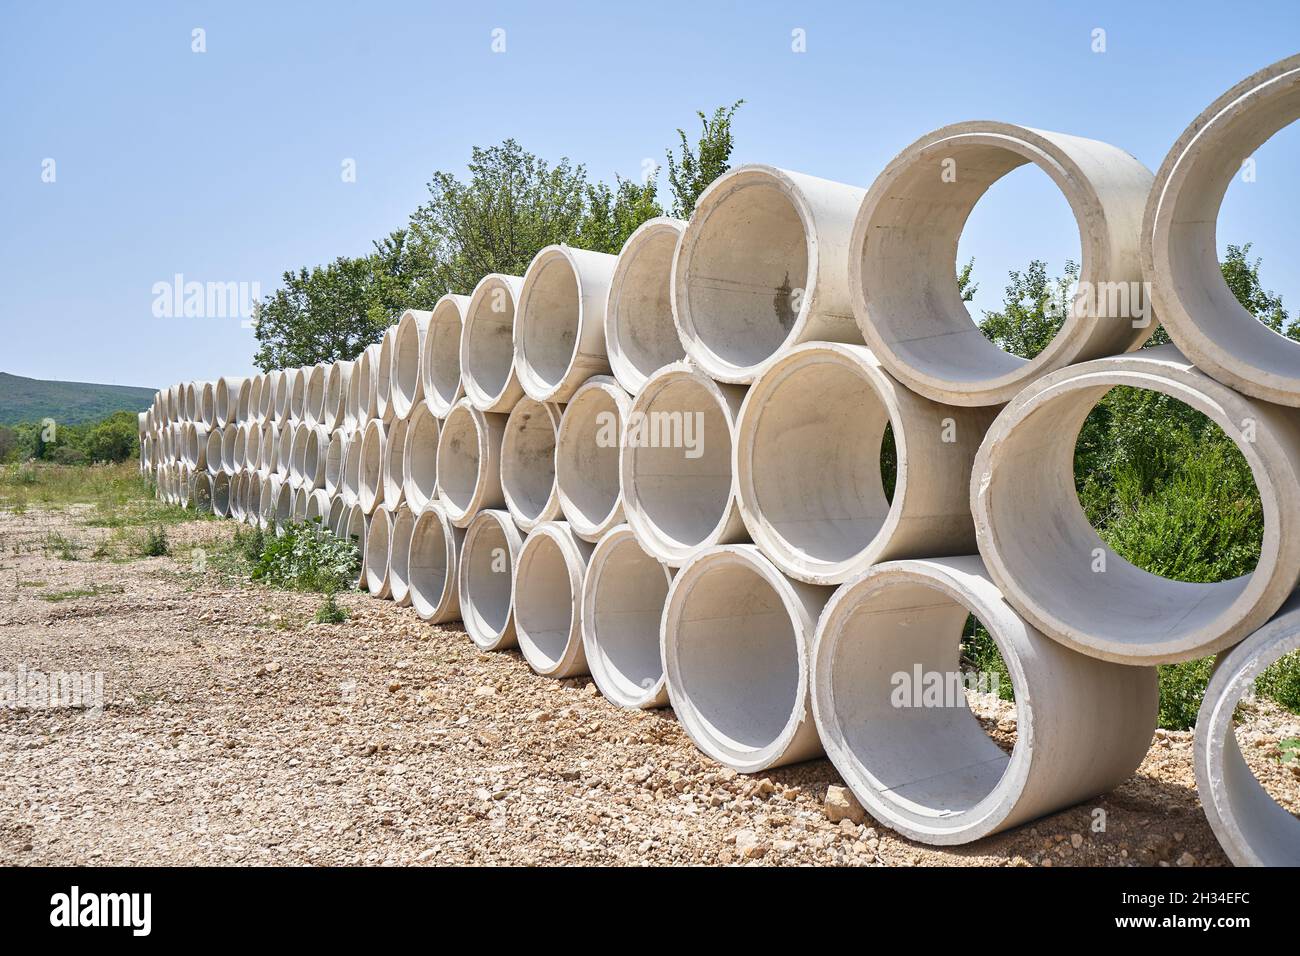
420, 457
762, 267
808, 470
1179, 248
623, 598
283, 462
298, 453
904, 250
1052, 566
469, 462
221, 497
269, 447
201, 496
252, 448
198, 459
268, 492
317, 506
284, 394
368, 407
640, 334
282, 514
432, 559
487, 373
253, 411
675, 466
185, 489
228, 395
1252, 828
377, 554
351, 482
370, 481
338, 381
207, 403
394, 456
236, 456
356, 527
407, 383
440, 383
313, 402
192, 405
246, 498
399, 555
266, 401
560, 334
311, 466
485, 579
214, 449
889, 699
586, 457
298, 505
528, 463
548, 600
382, 375
735, 640
298, 393
337, 517
336, 455
352, 411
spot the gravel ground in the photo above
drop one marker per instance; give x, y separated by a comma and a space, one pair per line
236, 731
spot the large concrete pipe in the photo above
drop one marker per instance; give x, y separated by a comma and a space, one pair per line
469, 462
393, 470
735, 640
640, 334
317, 506
1179, 247
337, 516
623, 598
336, 455
1052, 566
406, 386
352, 412
214, 449
808, 470
313, 401
207, 403
367, 369
298, 504
528, 463
548, 600
236, 456
675, 467
370, 482
252, 448
904, 251
351, 482
587, 455
297, 404
440, 383
338, 379
378, 552
267, 400
311, 466
432, 559
1252, 828
889, 700
282, 509
298, 453
191, 413
487, 373
269, 447
253, 412
382, 375
221, 495
268, 492
399, 555
420, 457
250, 498
560, 333
228, 394
357, 526
283, 463
763, 266
485, 579
201, 496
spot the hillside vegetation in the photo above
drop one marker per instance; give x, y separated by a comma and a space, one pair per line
68, 403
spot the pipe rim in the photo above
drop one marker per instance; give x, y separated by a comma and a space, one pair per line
487, 634
571, 660
571, 472
631, 362
433, 528
440, 368
526, 417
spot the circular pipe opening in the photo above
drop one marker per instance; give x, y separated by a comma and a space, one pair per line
420, 458
371, 466
486, 577
434, 553
469, 473
640, 333
587, 457
407, 386
547, 591
394, 455
377, 554
528, 463
623, 598
486, 358
400, 556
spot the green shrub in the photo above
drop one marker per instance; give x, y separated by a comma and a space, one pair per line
1181, 688
979, 653
329, 612
155, 544
307, 557
1281, 682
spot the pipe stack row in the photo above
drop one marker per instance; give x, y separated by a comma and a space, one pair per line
664, 468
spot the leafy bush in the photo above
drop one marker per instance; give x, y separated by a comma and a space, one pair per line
1281, 682
1181, 688
155, 544
329, 612
979, 653
307, 557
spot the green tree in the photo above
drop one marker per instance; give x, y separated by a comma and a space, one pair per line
703, 163
1033, 311
614, 214
116, 438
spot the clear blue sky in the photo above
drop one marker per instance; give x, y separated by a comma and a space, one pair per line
224, 166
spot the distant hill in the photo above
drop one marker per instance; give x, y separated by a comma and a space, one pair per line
69, 403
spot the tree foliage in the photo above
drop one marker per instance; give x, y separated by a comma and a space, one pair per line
703, 163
